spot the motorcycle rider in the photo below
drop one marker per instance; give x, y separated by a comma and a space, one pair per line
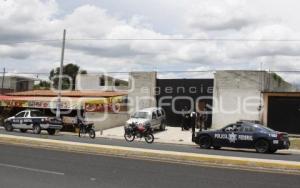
80, 122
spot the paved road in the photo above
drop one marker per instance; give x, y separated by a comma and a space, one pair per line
170, 147
35, 168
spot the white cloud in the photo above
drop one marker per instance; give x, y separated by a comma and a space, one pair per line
26, 20
34, 20
219, 15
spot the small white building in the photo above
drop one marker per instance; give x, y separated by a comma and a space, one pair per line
85, 82
16, 84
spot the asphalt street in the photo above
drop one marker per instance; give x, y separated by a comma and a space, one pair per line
30, 167
157, 146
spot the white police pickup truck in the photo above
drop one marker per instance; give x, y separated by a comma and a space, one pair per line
32, 120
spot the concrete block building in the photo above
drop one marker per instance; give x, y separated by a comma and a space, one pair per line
16, 84
94, 82
238, 95
235, 95
141, 93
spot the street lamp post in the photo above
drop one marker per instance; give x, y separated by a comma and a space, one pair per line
2, 84
60, 75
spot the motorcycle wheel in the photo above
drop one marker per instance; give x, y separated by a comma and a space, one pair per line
92, 133
149, 138
129, 137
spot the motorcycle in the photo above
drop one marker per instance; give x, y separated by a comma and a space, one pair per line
87, 128
133, 130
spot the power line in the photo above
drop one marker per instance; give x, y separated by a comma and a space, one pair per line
29, 41
154, 39
158, 71
189, 39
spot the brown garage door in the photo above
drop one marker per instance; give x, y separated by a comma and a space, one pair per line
284, 114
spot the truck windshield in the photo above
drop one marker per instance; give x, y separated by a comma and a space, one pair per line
143, 115
36, 114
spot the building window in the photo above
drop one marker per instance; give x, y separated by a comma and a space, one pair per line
158, 113
117, 83
101, 81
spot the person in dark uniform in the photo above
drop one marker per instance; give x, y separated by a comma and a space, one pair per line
202, 119
205, 118
193, 124
80, 123
186, 119
193, 120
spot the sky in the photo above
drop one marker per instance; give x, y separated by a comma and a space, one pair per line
263, 33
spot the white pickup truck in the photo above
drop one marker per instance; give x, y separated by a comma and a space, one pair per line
32, 120
155, 117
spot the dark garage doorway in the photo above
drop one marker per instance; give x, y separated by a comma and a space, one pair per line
284, 114
180, 93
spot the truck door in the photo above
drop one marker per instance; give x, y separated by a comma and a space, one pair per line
154, 121
27, 121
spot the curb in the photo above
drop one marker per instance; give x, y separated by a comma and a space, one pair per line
177, 142
157, 155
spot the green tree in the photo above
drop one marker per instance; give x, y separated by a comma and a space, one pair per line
42, 85
70, 70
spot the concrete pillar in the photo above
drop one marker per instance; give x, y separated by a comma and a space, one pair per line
141, 90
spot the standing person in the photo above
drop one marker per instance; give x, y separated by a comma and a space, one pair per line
193, 124
197, 123
183, 111
202, 120
205, 118
80, 123
192, 120
185, 119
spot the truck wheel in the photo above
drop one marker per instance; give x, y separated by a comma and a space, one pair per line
217, 147
262, 146
51, 131
205, 142
162, 126
9, 127
23, 130
37, 129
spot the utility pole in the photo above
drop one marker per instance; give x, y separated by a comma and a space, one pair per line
60, 75
2, 84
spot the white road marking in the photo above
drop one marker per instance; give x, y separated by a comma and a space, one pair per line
32, 169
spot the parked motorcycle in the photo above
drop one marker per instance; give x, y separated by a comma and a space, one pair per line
133, 130
87, 128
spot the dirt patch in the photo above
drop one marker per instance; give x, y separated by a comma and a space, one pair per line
295, 143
